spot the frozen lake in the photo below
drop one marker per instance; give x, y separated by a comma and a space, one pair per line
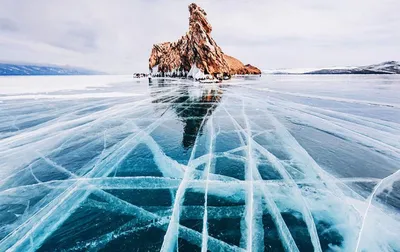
278, 163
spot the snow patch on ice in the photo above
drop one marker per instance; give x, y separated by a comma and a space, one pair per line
11, 85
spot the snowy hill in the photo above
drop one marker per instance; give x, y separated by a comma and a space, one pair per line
7, 69
392, 67
389, 67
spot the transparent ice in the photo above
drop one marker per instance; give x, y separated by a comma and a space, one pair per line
278, 163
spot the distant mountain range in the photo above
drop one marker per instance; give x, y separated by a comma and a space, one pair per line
389, 67
9, 69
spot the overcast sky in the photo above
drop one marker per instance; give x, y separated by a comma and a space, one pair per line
117, 35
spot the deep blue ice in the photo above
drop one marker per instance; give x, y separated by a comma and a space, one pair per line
278, 163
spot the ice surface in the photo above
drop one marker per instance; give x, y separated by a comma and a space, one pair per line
278, 163
44, 84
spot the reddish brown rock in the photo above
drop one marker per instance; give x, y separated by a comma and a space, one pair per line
236, 67
195, 51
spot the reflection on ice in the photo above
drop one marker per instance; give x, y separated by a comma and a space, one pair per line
248, 166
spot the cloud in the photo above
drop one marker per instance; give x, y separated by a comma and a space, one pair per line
79, 38
117, 36
7, 25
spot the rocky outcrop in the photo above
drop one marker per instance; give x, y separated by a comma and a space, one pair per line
196, 54
236, 67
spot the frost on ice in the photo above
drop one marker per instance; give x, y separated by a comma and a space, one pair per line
192, 167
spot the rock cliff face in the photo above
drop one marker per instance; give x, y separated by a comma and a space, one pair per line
196, 54
237, 67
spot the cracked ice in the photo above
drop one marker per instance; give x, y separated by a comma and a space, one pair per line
283, 163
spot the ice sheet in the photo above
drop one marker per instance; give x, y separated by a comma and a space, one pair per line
109, 162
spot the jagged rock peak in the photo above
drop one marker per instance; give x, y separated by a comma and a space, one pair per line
198, 18
196, 54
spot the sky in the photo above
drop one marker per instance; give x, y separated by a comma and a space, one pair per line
117, 36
